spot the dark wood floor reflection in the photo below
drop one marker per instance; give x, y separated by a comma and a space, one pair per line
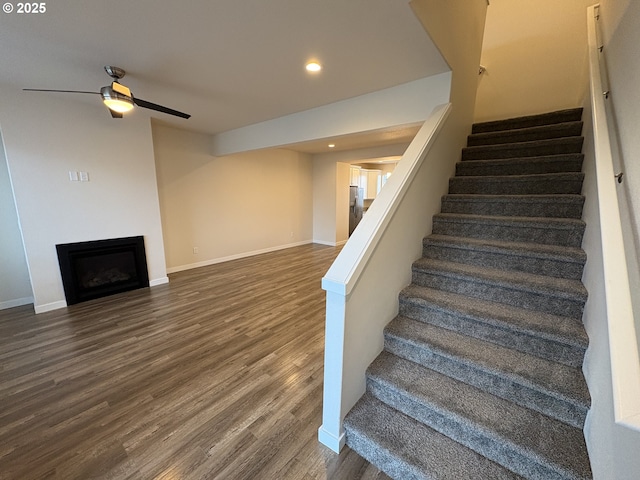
217, 375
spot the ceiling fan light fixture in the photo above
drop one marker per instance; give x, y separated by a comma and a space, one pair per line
116, 101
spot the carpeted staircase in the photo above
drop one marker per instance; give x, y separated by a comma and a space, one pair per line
480, 377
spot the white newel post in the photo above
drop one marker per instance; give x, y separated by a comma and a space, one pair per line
331, 432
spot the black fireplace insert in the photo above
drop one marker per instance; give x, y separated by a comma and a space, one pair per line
103, 267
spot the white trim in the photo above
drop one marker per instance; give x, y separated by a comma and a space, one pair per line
330, 244
17, 302
625, 360
158, 281
214, 261
331, 441
47, 307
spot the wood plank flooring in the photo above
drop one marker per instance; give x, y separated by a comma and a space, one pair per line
217, 375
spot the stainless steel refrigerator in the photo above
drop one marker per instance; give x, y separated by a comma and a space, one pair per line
356, 203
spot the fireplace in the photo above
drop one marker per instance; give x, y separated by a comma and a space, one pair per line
103, 267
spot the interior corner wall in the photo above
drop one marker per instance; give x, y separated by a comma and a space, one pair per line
324, 202
343, 171
232, 206
48, 135
13, 263
457, 28
534, 53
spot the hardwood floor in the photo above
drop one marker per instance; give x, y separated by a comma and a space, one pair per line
217, 375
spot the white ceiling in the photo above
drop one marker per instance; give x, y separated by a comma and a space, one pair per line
229, 63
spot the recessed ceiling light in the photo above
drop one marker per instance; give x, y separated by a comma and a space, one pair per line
331, 145
313, 67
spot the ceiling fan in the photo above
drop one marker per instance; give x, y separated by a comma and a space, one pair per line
119, 98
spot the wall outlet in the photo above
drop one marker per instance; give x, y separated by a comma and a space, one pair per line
84, 176
291, 235
195, 250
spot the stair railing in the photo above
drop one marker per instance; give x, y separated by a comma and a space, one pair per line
355, 317
623, 340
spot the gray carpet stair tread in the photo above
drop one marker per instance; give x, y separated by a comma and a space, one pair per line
552, 205
571, 198
534, 148
544, 325
574, 159
543, 284
525, 256
545, 177
543, 230
534, 250
567, 115
536, 184
556, 380
406, 449
532, 222
556, 130
465, 413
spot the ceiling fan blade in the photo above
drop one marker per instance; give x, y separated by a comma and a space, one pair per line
115, 114
58, 91
159, 108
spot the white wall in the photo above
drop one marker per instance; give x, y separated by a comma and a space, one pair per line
232, 206
324, 202
613, 449
46, 136
535, 53
343, 179
15, 288
620, 21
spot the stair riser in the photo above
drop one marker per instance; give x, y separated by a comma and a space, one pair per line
570, 236
519, 135
512, 208
569, 115
432, 314
520, 167
494, 448
518, 393
506, 261
507, 295
515, 186
518, 150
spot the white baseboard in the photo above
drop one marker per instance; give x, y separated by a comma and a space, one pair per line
330, 244
330, 440
18, 302
158, 281
213, 261
47, 307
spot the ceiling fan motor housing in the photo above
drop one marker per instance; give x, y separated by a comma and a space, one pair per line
114, 72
